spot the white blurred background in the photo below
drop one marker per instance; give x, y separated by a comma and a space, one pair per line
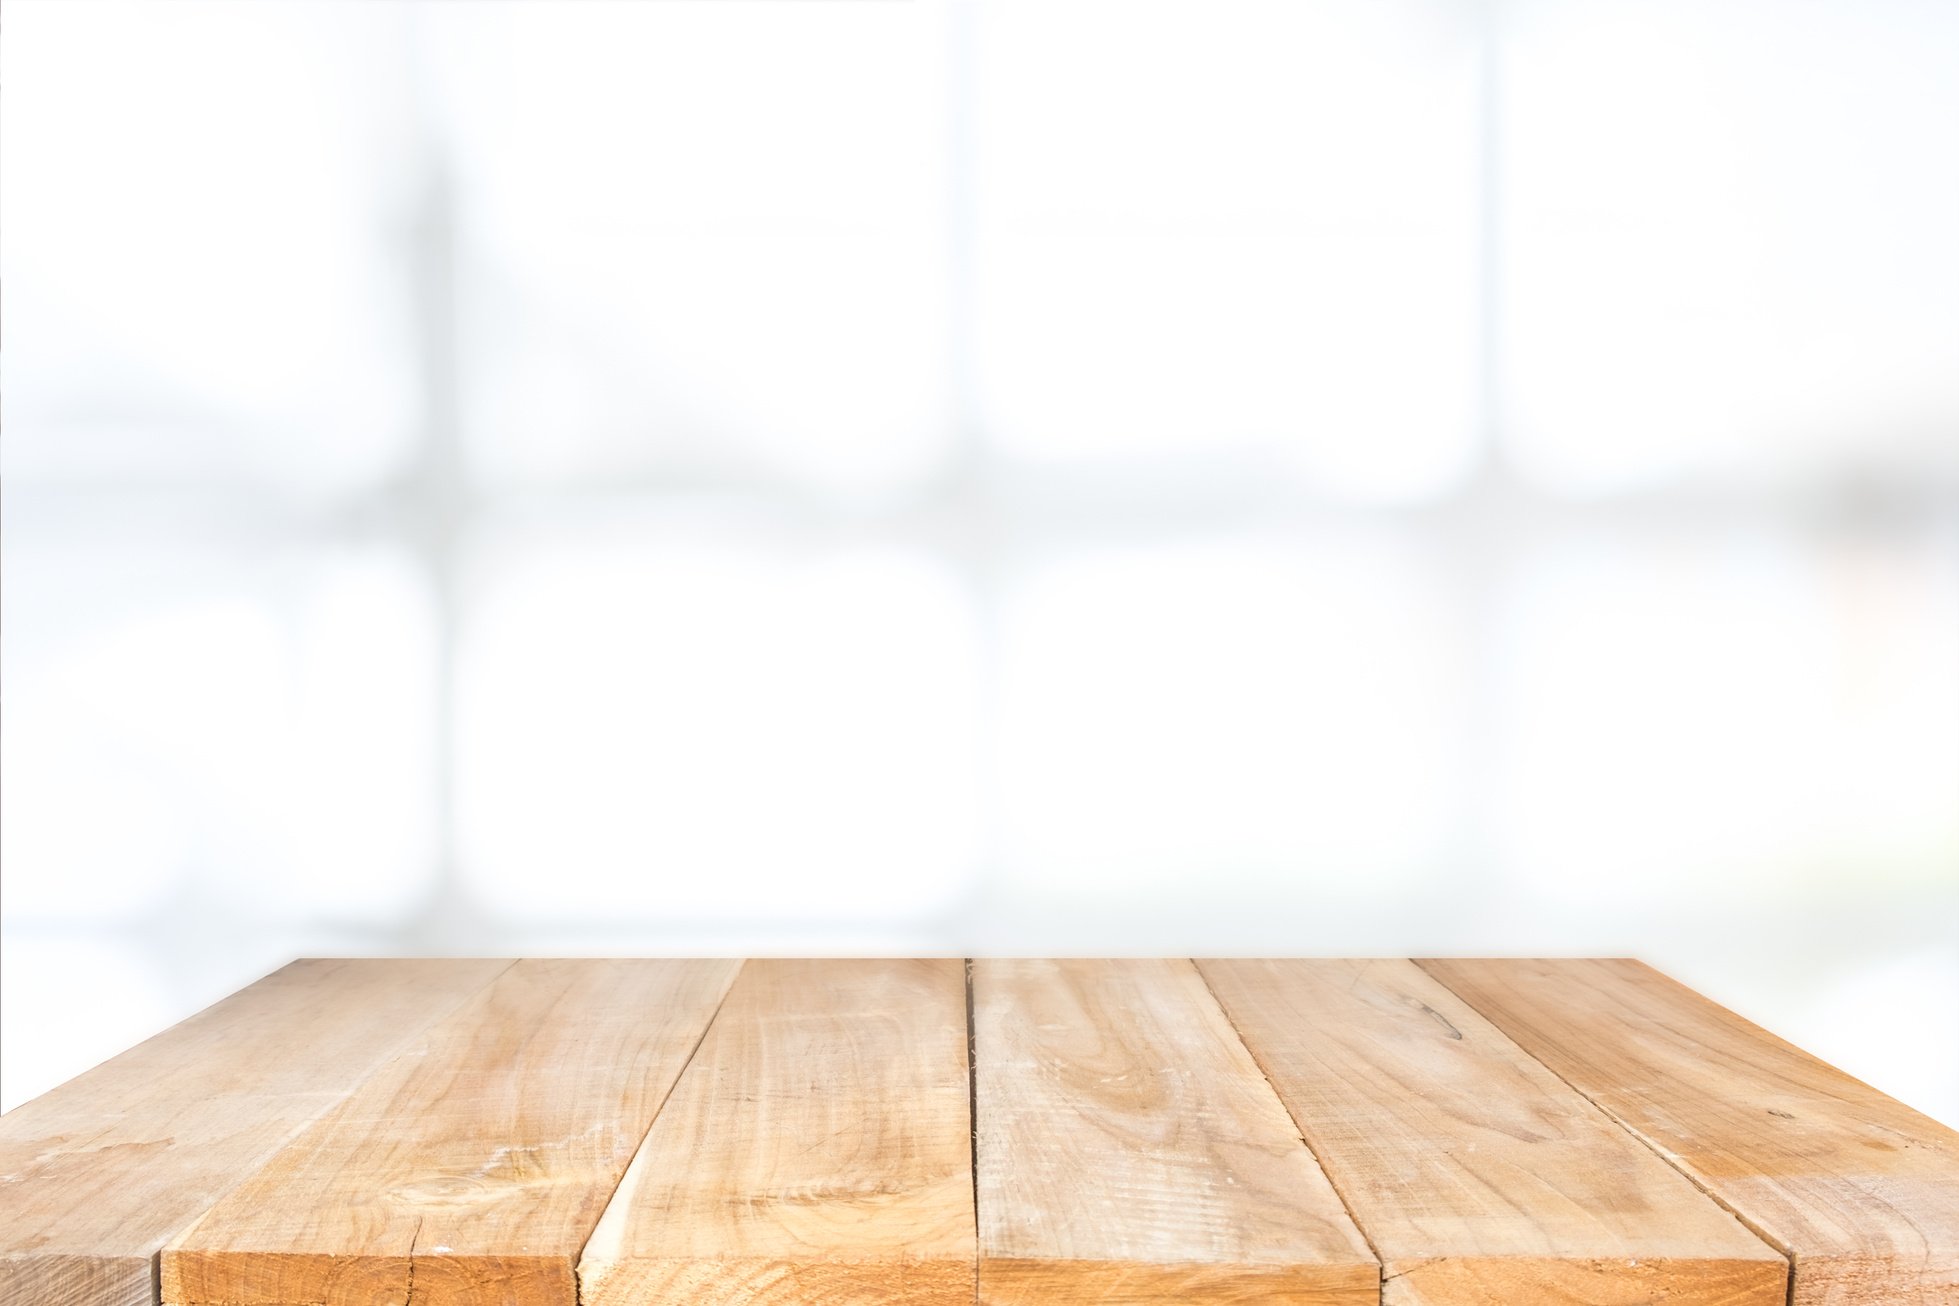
1062, 476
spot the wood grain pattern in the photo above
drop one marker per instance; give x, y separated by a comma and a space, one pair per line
817, 1151
1131, 1151
1862, 1191
470, 1170
593, 1133
1479, 1177
98, 1174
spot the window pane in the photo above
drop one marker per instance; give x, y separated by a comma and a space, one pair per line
207, 712
201, 275
1728, 714
682, 722
1729, 248
816, 360
1254, 243
1194, 717
701, 238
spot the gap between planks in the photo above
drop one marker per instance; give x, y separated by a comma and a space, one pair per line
1862, 1190
1479, 1263
972, 1118
211, 1122
1131, 1149
1346, 1204
577, 1280
1789, 1292
536, 1053
808, 1152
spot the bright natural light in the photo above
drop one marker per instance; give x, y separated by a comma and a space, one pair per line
1370, 476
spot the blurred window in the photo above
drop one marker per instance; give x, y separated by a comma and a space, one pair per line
1069, 474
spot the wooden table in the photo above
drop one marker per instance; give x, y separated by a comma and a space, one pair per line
545, 1133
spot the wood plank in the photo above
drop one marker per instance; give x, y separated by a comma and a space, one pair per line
98, 1174
472, 1168
1130, 1150
818, 1149
1861, 1190
1479, 1177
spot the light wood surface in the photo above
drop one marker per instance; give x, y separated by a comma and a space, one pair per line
1130, 1150
473, 1167
1478, 1177
98, 1174
802, 1133
1861, 1190
817, 1152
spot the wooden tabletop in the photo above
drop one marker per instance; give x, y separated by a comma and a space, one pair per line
618, 1132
